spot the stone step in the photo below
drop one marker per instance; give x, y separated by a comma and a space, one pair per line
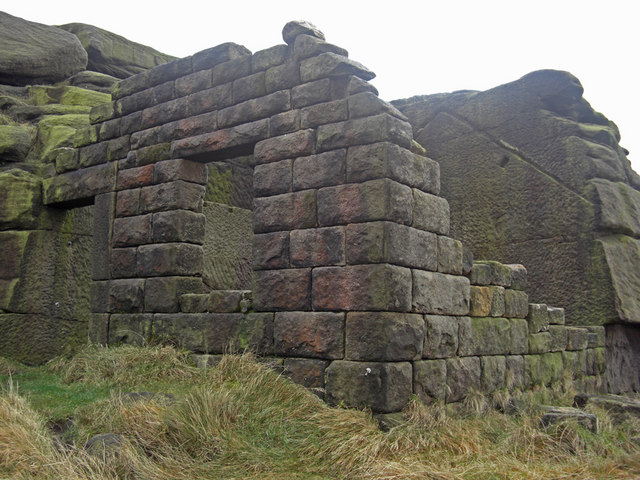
217, 301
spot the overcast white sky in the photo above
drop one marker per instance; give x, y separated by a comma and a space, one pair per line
414, 47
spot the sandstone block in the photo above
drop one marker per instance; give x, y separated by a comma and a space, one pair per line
126, 296
430, 213
180, 169
100, 113
94, 154
558, 335
123, 262
366, 104
269, 57
322, 170
383, 336
575, 362
540, 342
596, 362
364, 202
162, 294
98, 329
487, 301
332, 65
440, 294
128, 124
231, 70
147, 155
286, 122
211, 99
287, 211
81, 184
518, 274
178, 226
480, 274
383, 387
290, 145
254, 109
148, 137
362, 131
463, 374
577, 338
287, 289
130, 231
311, 93
192, 83
362, 287
449, 255
538, 318
135, 177
308, 372
229, 301
103, 213
514, 371
109, 129
440, 337
309, 334
188, 127
273, 178
271, 250
99, 296
543, 369
305, 46
387, 160
596, 337
128, 202
516, 304
131, 329
249, 87
430, 380
164, 113
493, 373
484, 336
317, 246
66, 159
182, 259
324, 113
282, 77
556, 315
389, 242
219, 54
519, 336
177, 195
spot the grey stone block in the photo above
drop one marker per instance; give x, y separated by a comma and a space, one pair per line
440, 337
463, 374
430, 380
440, 294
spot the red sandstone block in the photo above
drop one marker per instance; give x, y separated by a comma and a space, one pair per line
180, 169
309, 334
162, 294
317, 246
271, 250
128, 202
362, 287
308, 372
288, 211
364, 202
192, 83
210, 99
291, 145
362, 131
187, 127
272, 178
324, 113
163, 259
123, 262
322, 170
275, 290
285, 122
177, 195
135, 177
145, 138
130, 231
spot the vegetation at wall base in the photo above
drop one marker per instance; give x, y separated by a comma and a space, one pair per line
243, 419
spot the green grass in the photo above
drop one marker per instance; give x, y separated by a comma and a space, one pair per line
243, 420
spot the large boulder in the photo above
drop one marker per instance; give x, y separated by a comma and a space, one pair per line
35, 53
114, 55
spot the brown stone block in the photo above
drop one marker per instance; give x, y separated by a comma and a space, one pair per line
170, 259
210, 99
322, 170
133, 103
362, 131
254, 109
596, 336
128, 202
178, 226
311, 93
131, 123
147, 155
484, 336
118, 148
180, 169
430, 213
177, 195
305, 46
286, 122
269, 57
518, 274
291, 145
282, 77
123, 262
94, 154
480, 274
308, 372
362, 287
450, 254
324, 113
130, 231
516, 304
285, 212
388, 242
83, 184
463, 374
287, 289
217, 55
192, 83
577, 338
249, 87
135, 177
538, 318
330, 64
162, 294
309, 334
130, 329
271, 250
440, 294
430, 380
109, 129
229, 301
272, 178
383, 387
364, 202
487, 301
317, 246
440, 336
231, 70
384, 336
126, 296
163, 113
368, 104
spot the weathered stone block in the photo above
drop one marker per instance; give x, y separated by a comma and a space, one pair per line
290, 145
192, 83
322, 170
249, 87
130, 231
362, 131
123, 262
516, 303
98, 329
254, 109
308, 372
430, 213
267, 58
128, 202
99, 296
383, 387
66, 159
332, 65
178, 226
163, 113
271, 250
575, 362
463, 374
364, 202
273, 178
556, 315
439, 293
109, 129
311, 93
305, 46
182, 259
104, 211
177, 195
487, 301
538, 318
211, 99
383, 336
309, 334
362, 287
519, 336
577, 338
229, 301
286, 122
440, 336
130, 123
430, 380
162, 294
518, 274
135, 177
219, 54
493, 373
514, 371
540, 342
449, 255
130, 329
324, 113
542, 369
287, 289
500, 274
480, 274
484, 336
596, 337
126, 296
188, 127
80, 184
282, 77
101, 113
288, 211
94, 154
558, 335
147, 155
367, 104
180, 169
389, 242
317, 246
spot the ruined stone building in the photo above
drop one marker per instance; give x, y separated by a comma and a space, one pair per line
273, 202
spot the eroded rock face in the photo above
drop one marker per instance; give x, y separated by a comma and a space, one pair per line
34, 53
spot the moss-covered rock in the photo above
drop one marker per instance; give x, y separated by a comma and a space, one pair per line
20, 198
66, 95
15, 142
58, 131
